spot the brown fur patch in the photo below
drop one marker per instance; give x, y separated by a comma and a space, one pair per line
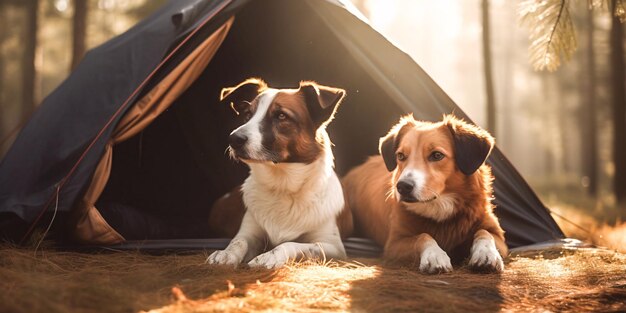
291, 132
226, 214
380, 216
292, 138
292, 127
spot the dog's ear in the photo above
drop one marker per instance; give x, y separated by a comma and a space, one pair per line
388, 145
472, 144
239, 97
321, 101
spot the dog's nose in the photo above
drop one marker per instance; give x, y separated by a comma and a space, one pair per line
404, 187
236, 140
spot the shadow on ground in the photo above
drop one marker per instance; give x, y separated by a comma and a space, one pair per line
407, 290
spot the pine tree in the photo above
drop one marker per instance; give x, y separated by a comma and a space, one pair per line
553, 38
589, 129
30, 49
489, 88
79, 31
619, 104
552, 33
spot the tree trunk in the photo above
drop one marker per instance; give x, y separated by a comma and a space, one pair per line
3, 35
506, 97
491, 104
547, 90
589, 124
561, 116
28, 65
79, 32
619, 111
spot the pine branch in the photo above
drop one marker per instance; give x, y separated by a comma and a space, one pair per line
556, 26
552, 33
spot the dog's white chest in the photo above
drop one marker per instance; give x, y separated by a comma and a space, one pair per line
288, 219
285, 215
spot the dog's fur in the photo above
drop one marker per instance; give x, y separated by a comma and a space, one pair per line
292, 196
427, 198
228, 211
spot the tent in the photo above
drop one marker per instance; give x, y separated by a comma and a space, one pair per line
131, 145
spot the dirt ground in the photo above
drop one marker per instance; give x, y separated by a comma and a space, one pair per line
54, 281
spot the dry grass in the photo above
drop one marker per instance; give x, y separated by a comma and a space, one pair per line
598, 216
584, 280
569, 280
589, 229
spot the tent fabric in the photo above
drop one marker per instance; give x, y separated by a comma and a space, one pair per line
355, 247
49, 146
90, 226
176, 167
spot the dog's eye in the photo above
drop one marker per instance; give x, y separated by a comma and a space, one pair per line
281, 116
436, 156
401, 156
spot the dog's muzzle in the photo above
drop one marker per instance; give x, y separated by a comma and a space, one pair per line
237, 140
405, 189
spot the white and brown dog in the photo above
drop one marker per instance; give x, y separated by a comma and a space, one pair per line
427, 198
293, 196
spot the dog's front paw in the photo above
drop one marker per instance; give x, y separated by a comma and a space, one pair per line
271, 260
434, 260
485, 257
223, 257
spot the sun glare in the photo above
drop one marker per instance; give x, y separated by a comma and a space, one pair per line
432, 32
61, 5
556, 269
309, 284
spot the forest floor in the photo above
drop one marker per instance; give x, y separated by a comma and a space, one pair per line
566, 280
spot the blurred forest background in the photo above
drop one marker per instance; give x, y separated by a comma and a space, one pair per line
564, 129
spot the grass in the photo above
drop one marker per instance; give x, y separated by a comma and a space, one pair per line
597, 220
569, 280
582, 280
601, 233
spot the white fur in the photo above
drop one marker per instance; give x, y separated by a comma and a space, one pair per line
280, 255
248, 239
485, 254
433, 259
419, 180
287, 202
252, 129
439, 209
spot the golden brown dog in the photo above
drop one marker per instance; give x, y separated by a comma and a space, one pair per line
427, 198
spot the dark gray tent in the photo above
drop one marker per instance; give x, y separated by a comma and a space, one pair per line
131, 145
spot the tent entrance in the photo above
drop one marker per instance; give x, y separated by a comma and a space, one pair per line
90, 226
165, 178
68, 160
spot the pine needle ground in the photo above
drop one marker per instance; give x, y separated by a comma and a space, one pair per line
55, 281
